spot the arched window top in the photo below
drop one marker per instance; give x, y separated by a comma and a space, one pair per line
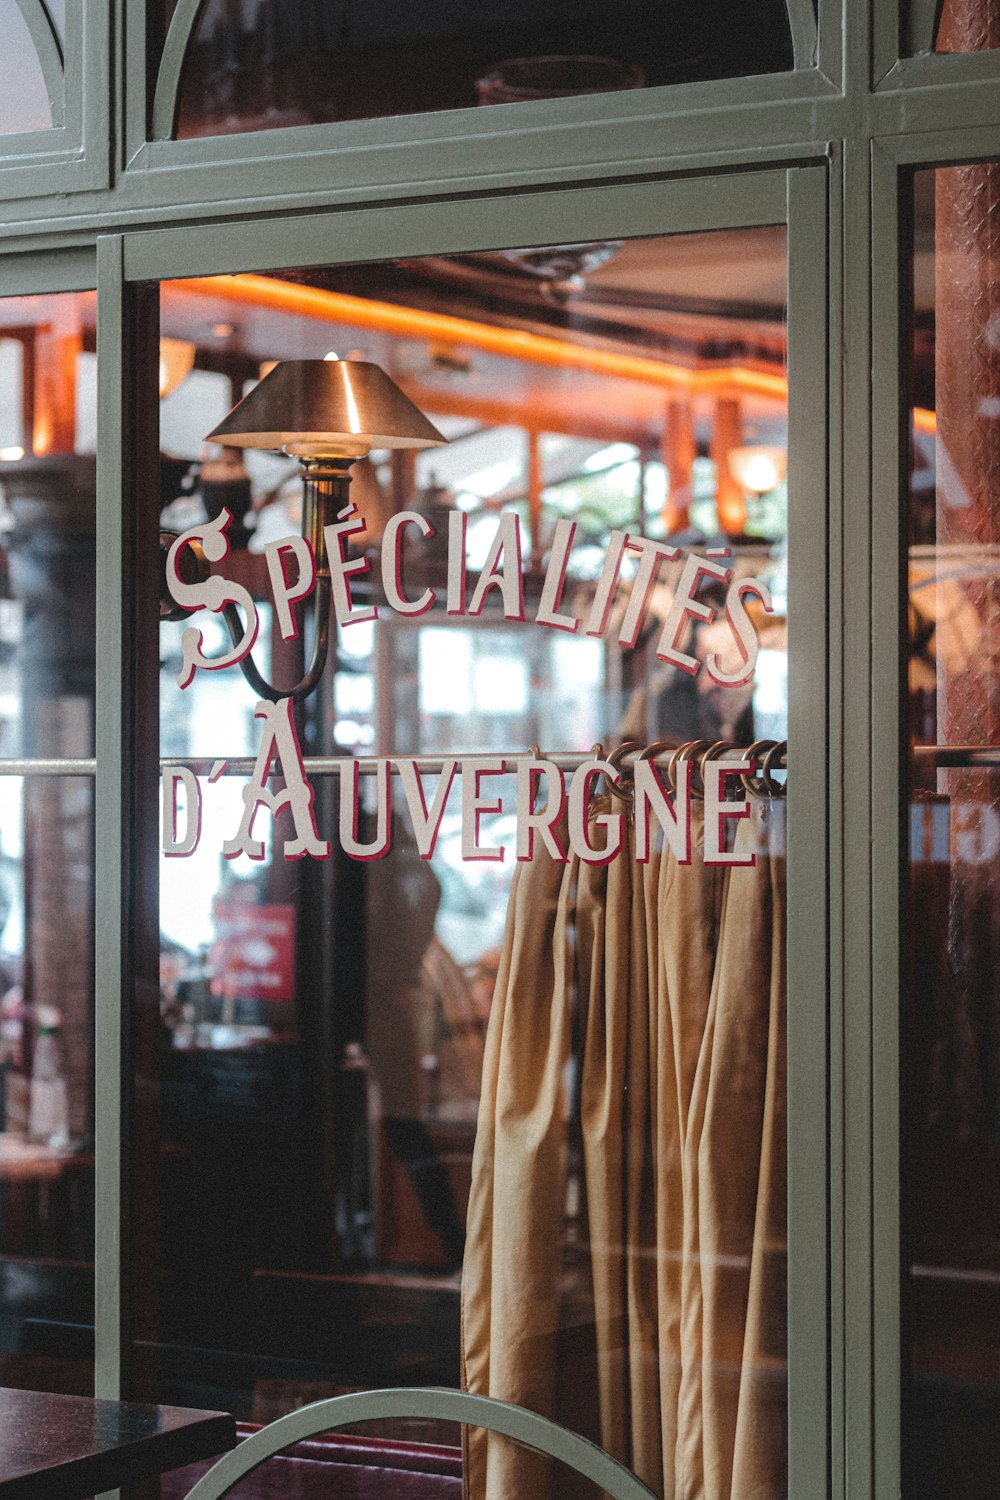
230, 66
31, 65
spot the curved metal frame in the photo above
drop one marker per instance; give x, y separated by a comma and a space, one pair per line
515, 1422
48, 49
802, 25
166, 99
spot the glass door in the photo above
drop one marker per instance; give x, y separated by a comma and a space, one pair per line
485, 1001
951, 1037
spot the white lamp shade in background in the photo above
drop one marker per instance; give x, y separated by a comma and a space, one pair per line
758, 469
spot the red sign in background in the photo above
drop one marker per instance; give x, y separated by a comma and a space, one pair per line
253, 956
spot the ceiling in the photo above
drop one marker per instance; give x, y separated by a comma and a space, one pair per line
653, 304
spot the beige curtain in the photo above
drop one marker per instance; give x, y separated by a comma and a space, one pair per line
636, 1059
512, 1271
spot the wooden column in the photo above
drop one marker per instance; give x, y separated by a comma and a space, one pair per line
730, 501
58, 343
679, 453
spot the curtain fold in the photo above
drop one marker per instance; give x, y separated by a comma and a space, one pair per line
691, 903
636, 1054
511, 1280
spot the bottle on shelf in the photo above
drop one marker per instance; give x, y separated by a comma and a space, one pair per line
48, 1110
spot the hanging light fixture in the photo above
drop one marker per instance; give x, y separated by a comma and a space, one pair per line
758, 469
327, 413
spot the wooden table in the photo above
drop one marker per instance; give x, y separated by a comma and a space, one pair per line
70, 1447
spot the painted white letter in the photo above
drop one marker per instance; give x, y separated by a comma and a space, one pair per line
213, 594
529, 773
473, 806
284, 593
674, 818
604, 593
742, 628
555, 577
279, 738
641, 585
504, 555
350, 777
579, 798
392, 563
426, 825
694, 569
174, 776
349, 523
457, 527
716, 808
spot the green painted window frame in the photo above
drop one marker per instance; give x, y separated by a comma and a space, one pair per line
129, 270
73, 154
860, 119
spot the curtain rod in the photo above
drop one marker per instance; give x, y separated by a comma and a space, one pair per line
969, 757
955, 757
427, 765
959, 756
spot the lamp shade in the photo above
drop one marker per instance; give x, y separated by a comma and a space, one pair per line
326, 408
176, 363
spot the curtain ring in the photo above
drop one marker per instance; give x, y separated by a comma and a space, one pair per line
684, 752
623, 793
597, 752
713, 753
774, 788
751, 783
672, 766
657, 748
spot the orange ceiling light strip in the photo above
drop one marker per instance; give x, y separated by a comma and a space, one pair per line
533, 348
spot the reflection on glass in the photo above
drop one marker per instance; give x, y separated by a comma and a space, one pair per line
24, 99
47, 508
47, 669
46, 1083
950, 1059
57, 12
348, 1123
262, 65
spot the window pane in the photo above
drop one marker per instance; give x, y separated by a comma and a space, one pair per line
47, 509
331, 1042
24, 100
950, 1074
261, 65
47, 1073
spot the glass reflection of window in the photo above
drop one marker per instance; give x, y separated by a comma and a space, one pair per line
213, 716
24, 99
266, 64
597, 485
